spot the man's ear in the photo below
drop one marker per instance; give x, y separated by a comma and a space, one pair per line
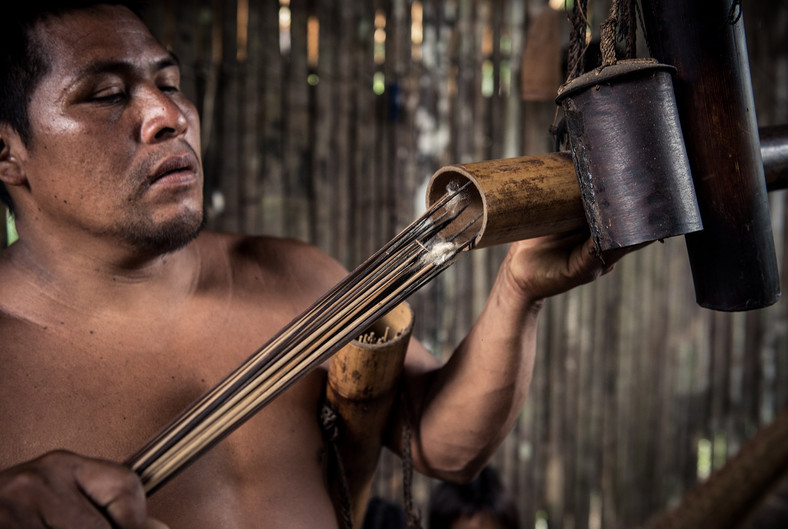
11, 171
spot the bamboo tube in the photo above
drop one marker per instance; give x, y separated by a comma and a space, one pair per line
518, 198
362, 380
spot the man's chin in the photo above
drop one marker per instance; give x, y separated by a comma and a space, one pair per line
166, 238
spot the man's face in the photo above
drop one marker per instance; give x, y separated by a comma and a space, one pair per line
115, 144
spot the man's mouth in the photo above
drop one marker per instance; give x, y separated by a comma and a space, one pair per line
175, 170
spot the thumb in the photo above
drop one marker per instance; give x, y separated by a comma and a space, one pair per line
115, 490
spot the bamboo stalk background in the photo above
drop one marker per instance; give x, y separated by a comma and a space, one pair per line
637, 392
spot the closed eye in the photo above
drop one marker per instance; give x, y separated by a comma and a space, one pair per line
107, 92
108, 97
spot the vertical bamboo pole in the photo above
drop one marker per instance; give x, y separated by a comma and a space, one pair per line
733, 259
252, 65
229, 124
297, 155
344, 92
323, 102
272, 135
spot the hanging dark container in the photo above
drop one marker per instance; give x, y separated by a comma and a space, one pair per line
629, 154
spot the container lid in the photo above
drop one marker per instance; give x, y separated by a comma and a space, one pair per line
604, 74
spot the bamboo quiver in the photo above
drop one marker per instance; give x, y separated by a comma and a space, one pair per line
361, 388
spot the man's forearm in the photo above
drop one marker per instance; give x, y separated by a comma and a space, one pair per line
471, 403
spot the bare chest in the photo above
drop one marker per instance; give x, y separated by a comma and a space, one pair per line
104, 391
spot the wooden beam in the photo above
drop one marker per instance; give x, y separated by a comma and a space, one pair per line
774, 151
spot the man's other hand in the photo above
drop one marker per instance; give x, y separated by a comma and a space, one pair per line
62, 490
546, 266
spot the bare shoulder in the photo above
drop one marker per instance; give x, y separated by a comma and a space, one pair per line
293, 274
275, 265
272, 253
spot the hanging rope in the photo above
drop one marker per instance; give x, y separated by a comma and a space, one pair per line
575, 64
627, 27
620, 26
609, 35
578, 43
414, 520
329, 424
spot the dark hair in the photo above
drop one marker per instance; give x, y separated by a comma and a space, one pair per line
486, 494
23, 62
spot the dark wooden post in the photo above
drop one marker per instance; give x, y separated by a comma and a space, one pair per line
733, 260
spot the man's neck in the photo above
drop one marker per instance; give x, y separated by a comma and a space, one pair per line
101, 277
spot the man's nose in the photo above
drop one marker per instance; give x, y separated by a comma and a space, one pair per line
161, 117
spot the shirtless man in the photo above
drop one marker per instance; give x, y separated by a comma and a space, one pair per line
116, 311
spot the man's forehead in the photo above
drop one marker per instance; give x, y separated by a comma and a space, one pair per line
98, 35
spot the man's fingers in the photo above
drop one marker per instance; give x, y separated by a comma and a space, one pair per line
64, 490
116, 491
545, 266
43, 494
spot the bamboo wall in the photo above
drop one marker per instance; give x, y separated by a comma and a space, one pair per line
323, 120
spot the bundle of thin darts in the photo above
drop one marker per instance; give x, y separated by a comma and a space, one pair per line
410, 260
